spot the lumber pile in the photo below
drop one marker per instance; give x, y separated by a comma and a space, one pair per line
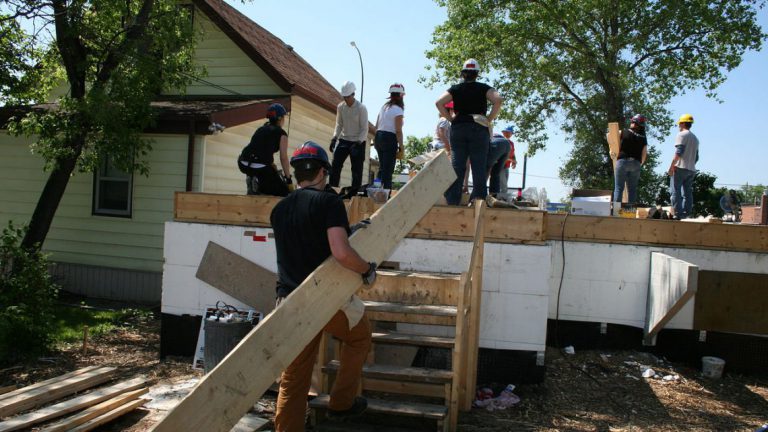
22, 408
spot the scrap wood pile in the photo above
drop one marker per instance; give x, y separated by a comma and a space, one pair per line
22, 408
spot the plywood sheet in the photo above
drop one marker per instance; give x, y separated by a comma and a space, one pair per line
732, 302
238, 277
672, 284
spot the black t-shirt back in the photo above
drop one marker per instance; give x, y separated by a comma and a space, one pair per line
631, 145
469, 98
300, 222
265, 142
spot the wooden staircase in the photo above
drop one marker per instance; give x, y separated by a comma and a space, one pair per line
435, 300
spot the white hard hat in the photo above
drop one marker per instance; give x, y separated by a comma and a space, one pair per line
471, 65
396, 88
348, 89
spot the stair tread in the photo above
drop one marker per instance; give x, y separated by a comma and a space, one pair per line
410, 339
417, 274
410, 409
436, 310
404, 373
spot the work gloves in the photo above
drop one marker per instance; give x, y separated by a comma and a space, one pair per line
360, 225
369, 277
288, 180
333, 144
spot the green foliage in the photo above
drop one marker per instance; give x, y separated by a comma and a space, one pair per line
706, 197
413, 147
69, 321
120, 57
584, 63
27, 295
751, 195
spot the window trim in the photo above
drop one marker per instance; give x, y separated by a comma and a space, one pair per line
97, 179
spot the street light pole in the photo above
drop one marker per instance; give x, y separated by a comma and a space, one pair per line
362, 74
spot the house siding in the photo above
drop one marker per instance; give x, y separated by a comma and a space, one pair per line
77, 236
226, 65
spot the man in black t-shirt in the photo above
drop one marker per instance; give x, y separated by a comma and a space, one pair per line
256, 160
310, 224
470, 129
633, 150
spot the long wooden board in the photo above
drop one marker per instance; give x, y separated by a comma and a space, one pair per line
41, 395
253, 210
229, 390
95, 411
673, 282
71, 405
598, 229
111, 415
238, 277
47, 382
732, 302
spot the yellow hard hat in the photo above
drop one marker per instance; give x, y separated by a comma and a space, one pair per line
685, 118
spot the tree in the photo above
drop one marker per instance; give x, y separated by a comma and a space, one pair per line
114, 58
584, 63
413, 147
751, 194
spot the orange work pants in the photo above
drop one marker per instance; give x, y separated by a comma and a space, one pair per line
297, 378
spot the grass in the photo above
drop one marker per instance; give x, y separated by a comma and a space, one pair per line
70, 321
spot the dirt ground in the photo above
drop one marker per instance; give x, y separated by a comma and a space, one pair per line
586, 391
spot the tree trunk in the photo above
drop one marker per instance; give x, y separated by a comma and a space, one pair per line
49, 200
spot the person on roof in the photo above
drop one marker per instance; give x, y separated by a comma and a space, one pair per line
389, 133
510, 163
498, 153
349, 137
633, 150
683, 168
310, 225
442, 137
256, 160
470, 129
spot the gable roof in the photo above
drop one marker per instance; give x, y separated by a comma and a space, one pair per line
278, 60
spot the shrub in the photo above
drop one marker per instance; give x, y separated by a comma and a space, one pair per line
27, 296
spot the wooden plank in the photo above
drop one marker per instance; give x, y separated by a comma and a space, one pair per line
732, 302
511, 225
95, 411
614, 140
672, 284
434, 310
598, 229
249, 210
222, 397
47, 382
459, 356
409, 339
393, 373
41, 395
411, 318
378, 406
238, 277
405, 388
412, 288
445, 221
71, 405
475, 307
109, 416
7, 389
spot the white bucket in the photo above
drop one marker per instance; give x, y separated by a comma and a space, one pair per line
712, 367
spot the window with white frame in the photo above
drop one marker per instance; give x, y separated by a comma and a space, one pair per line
112, 190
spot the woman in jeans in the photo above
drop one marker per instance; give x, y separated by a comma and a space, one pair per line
389, 133
633, 149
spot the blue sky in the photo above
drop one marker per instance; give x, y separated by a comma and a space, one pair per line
393, 36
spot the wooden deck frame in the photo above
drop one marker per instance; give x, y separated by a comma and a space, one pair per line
230, 389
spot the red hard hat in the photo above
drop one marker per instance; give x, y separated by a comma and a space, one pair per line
449, 105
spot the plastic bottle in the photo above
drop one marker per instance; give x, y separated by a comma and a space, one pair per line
377, 183
543, 199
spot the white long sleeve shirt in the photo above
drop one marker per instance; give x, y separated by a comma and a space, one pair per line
351, 122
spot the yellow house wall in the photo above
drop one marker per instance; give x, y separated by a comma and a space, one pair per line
76, 235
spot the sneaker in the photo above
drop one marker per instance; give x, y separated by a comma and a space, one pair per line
358, 407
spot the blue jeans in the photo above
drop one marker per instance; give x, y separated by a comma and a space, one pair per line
681, 189
627, 171
385, 144
498, 153
356, 152
468, 141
